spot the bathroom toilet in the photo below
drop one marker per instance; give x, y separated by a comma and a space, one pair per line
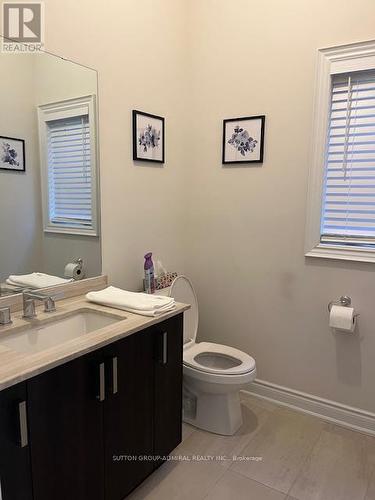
213, 373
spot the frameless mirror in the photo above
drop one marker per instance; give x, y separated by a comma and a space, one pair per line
49, 172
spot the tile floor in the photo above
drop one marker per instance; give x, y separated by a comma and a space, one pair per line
294, 457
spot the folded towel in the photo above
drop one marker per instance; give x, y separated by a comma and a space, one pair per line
137, 303
35, 280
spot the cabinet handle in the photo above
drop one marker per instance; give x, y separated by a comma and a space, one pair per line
22, 413
101, 396
164, 355
114, 375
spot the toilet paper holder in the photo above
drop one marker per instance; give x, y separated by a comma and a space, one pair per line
344, 301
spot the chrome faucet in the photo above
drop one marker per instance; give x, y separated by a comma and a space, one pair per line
29, 298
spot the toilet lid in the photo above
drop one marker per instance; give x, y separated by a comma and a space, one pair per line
182, 291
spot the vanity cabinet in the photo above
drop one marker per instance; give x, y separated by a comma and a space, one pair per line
143, 405
65, 421
95, 427
128, 413
168, 384
15, 471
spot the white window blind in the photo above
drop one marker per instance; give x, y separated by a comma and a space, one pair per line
348, 212
69, 172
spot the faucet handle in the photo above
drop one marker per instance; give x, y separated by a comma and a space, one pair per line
49, 305
49, 302
5, 317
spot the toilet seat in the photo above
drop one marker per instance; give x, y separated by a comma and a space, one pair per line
216, 358
205, 358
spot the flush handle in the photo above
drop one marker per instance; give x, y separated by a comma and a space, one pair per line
22, 413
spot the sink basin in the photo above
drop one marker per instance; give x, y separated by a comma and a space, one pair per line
53, 333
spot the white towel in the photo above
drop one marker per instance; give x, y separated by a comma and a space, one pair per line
137, 303
35, 280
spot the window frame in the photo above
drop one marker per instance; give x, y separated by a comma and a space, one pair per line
60, 110
331, 61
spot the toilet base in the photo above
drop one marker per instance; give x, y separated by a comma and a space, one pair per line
218, 413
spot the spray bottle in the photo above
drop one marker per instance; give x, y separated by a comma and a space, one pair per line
149, 274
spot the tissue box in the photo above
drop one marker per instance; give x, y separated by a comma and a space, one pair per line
164, 280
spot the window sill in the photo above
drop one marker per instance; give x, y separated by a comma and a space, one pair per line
71, 231
342, 253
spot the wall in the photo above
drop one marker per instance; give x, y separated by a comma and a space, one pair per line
256, 290
139, 52
20, 216
241, 229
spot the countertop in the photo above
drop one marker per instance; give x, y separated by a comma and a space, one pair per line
16, 367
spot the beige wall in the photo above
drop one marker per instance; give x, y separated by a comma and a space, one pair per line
138, 49
241, 235
256, 290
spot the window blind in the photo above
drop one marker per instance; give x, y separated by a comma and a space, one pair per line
69, 172
348, 212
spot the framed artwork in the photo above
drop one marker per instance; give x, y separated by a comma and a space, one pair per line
148, 137
243, 140
12, 154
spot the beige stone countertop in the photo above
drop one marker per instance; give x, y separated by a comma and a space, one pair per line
16, 367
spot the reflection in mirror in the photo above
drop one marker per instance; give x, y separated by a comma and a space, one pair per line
49, 171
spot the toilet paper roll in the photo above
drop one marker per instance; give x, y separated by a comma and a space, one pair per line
342, 318
74, 270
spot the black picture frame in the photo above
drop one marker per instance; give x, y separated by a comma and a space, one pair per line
259, 139
137, 155
21, 147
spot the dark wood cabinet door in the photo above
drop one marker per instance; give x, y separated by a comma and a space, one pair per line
168, 386
15, 472
128, 414
66, 439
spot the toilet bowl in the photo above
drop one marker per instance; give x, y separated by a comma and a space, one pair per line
213, 373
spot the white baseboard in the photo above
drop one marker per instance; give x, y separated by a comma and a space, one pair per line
347, 416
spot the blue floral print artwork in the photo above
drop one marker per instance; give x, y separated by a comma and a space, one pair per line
149, 138
242, 141
9, 155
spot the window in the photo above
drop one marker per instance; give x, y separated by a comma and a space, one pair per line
348, 214
341, 205
68, 158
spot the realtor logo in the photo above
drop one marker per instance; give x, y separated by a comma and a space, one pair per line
23, 27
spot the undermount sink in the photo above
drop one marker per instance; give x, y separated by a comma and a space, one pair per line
53, 333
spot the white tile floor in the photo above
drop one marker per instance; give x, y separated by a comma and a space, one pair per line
298, 458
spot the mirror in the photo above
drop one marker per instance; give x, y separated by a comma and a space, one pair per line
49, 172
